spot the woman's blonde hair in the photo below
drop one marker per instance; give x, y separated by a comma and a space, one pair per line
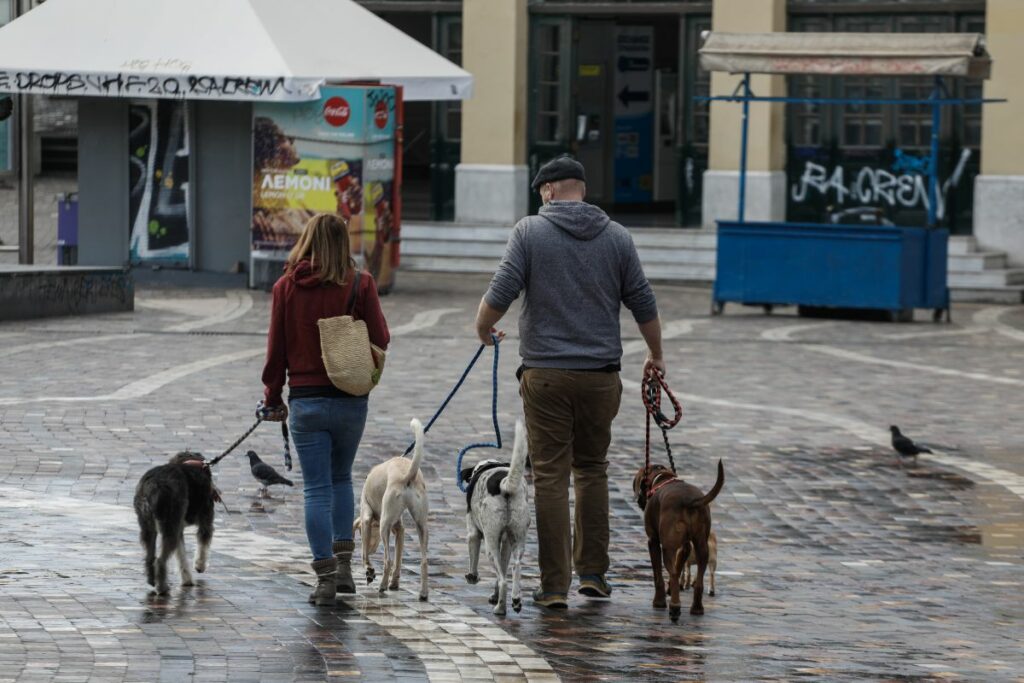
324, 243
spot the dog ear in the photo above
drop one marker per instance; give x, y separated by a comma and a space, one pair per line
466, 474
641, 501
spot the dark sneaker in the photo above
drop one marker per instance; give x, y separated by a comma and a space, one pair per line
594, 586
551, 600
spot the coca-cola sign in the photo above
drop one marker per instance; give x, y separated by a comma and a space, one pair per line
380, 114
337, 111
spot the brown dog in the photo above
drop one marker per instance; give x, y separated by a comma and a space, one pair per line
676, 514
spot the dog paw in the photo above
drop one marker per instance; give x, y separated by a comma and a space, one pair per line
200, 567
163, 589
370, 576
423, 597
493, 600
499, 610
674, 612
517, 605
472, 579
659, 604
187, 581
393, 586
711, 593
697, 610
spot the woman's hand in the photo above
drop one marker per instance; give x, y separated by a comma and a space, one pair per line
272, 413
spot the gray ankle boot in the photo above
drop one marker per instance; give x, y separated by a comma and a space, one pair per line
343, 554
323, 594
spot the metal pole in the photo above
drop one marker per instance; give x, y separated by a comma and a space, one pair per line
933, 176
26, 226
743, 148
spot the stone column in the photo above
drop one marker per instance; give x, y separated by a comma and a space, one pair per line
999, 189
492, 182
766, 154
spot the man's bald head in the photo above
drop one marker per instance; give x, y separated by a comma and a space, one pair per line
565, 190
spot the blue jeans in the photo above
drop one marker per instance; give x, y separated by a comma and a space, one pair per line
326, 433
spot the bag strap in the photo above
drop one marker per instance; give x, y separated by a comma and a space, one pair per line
352, 295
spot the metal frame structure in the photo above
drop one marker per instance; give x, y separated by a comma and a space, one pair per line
939, 98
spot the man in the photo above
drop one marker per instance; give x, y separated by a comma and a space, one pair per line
576, 267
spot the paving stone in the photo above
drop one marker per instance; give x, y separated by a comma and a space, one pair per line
834, 562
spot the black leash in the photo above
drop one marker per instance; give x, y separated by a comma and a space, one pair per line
260, 412
238, 442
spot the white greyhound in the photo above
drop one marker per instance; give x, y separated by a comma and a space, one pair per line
391, 488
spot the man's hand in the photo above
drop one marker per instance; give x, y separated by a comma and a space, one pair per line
656, 363
485, 335
486, 318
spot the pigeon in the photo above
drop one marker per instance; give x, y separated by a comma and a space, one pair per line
904, 446
265, 474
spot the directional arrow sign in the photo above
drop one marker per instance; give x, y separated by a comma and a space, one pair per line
626, 96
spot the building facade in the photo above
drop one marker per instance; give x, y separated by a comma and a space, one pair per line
614, 83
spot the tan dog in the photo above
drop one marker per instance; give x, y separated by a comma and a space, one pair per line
391, 488
712, 563
676, 518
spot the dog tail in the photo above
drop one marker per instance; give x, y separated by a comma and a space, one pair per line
417, 454
713, 493
510, 484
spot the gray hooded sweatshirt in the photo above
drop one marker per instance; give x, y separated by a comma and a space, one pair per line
576, 267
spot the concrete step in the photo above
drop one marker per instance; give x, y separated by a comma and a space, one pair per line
449, 232
674, 238
679, 272
986, 279
977, 261
702, 257
440, 264
962, 244
453, 248
995, 295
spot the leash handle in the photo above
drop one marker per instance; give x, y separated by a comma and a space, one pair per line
287, 446
650, 392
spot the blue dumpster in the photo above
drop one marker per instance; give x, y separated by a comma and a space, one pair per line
67, 229
836, 266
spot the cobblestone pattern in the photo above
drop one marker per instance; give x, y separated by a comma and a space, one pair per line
834, 562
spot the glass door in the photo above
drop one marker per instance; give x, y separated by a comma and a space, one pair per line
446, 143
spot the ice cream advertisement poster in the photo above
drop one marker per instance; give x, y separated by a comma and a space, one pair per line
296, 177
336, 155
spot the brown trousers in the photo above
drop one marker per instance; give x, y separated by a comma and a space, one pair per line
569, 417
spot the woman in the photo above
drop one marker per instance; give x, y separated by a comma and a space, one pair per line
326, 423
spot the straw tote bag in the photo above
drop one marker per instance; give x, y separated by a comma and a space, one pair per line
353, 364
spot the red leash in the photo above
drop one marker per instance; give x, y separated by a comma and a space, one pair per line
651, 389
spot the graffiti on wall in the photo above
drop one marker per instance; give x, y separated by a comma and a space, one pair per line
159, 181
903, 185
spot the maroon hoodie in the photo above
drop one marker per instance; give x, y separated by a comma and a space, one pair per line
293, 343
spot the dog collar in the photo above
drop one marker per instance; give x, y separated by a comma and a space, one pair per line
655, 485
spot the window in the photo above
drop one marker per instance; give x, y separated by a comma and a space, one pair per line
452, 117
549, 83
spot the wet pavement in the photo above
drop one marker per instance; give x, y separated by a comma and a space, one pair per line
834, 562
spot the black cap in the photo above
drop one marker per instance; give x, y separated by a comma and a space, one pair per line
559, 169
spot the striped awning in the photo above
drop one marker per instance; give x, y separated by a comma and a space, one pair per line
835, 54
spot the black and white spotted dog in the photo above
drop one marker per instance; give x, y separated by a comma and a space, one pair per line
499, 515
169, 498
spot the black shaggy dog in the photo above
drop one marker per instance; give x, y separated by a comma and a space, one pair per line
169, 498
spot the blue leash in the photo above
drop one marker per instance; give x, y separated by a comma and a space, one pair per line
494, 411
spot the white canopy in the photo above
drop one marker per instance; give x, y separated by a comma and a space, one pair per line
257, 50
